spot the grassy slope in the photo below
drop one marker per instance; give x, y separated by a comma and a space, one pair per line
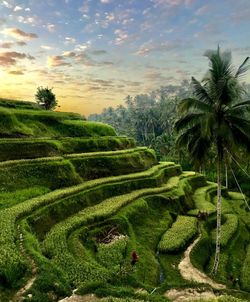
41, 123
140, 204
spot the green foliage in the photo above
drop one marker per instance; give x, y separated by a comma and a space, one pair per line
46, 98
11, 198
55, 243
245, 274
57, 172
8, 103
49, 174
12, 265
179, 234
112, 254
228, 229
35, 148
149, 118
201, 252
202, 198
16, 123
216, 116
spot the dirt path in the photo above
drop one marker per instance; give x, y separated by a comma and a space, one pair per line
19, 296
77, 298
189, 272
189, 294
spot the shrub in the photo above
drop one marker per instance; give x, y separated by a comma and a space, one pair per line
179, 234
245, 274
227, 229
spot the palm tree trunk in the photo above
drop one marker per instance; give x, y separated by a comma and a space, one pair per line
218, 227
226, 175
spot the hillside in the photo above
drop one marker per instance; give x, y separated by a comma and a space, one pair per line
76, 200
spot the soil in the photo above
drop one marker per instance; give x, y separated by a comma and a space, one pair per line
77, 298
189, 294
189, 272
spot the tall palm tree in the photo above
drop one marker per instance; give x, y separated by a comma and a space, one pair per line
215, 119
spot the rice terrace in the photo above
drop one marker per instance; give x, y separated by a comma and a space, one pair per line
76, 200
124, 151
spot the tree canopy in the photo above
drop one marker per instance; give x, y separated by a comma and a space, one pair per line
216, 118
46, 98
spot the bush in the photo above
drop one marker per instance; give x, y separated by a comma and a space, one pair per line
179, 234
227, 229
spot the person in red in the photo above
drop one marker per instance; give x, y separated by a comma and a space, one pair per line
134, 258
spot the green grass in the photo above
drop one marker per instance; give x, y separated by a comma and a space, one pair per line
228, 229
245, 274
12, 265
42, 123
201, 252
18, 104
202, 199
55, 244
179, 234
49, 174
8, 199
57, 172
18, 149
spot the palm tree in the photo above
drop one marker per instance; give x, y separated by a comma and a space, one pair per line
215, 119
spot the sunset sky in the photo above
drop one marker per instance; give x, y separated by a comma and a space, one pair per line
95, 52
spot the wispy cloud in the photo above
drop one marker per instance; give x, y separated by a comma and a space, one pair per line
16, 72
51, 27
17, 8
46, 47
202, 10
121, 36
10, 58
57, 61
19, 34
148, 48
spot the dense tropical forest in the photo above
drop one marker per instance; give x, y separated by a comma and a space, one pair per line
150, 120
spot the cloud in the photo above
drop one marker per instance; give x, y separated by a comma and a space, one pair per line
28, 20
105, 1
99, 52
152, 47
122, 36
10, 58
9, 44
202, 10
6, 44
6, 4
21, 43
84, 8
16, 72
70, 40
46, 47
57, 61
172, 3
51, 28
19, 34
17, 8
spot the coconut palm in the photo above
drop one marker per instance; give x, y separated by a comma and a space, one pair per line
216, 119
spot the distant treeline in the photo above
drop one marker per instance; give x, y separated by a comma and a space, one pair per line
150, 118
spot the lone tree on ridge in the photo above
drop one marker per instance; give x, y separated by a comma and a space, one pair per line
46, 98
215, 118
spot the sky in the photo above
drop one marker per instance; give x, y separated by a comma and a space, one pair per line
96, 52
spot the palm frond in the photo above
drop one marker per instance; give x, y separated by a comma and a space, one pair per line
188, 120
240, 107
184, 138
243, 68
200, 92
191, 103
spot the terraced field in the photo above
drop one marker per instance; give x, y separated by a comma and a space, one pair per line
76, 202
